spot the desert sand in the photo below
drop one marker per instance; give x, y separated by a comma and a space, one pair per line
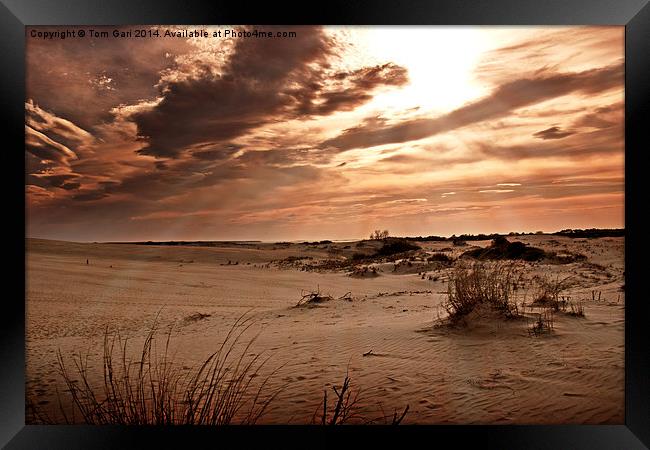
379, 326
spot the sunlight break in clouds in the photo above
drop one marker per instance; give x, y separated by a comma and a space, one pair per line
327, 135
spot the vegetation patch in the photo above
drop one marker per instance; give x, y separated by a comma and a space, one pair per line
543, 324
501, 248
364, 272
395, 246
441, 258
481, 284
151, 389
312, 298
550, 290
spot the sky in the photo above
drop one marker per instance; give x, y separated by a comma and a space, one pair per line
329, 134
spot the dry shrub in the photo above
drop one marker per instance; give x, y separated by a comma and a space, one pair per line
396, 246
544, 324
440, 257
364, 272
346, 409
311, 298
346, 406
501, 248
576, 309
550, 289
482, 283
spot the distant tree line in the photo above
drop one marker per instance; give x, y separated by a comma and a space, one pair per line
574, 233
592, 232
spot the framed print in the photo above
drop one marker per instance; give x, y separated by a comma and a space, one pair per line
416, 221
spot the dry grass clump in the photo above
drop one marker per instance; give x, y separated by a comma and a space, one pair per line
364, 272
358, 256
550, 289
440, 257
327, 265
152, 390
576, 309
481, 283
544, 323
550, 294
291, 262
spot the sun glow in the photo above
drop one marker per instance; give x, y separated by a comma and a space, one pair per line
440, 63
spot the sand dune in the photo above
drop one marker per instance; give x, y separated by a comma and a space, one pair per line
496, 373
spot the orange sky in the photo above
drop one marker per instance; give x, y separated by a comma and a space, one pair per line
327, 135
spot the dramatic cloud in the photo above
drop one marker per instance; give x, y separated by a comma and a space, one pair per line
261, 82
83, 79
52, 144
504, 100
46, 149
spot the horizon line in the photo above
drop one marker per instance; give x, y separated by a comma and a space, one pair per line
510, 233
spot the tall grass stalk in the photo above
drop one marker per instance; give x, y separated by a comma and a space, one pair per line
152, 390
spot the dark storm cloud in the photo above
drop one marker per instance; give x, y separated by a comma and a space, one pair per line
50, 138
83, 79
553, 133
504, 100
47, 149
70, 186
52, 145
145, 185
217, 107
54, 181
262, 82
58, 129
350, 89
34, 164
89, 196
267, 169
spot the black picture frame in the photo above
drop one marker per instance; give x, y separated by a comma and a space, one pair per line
634, 14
